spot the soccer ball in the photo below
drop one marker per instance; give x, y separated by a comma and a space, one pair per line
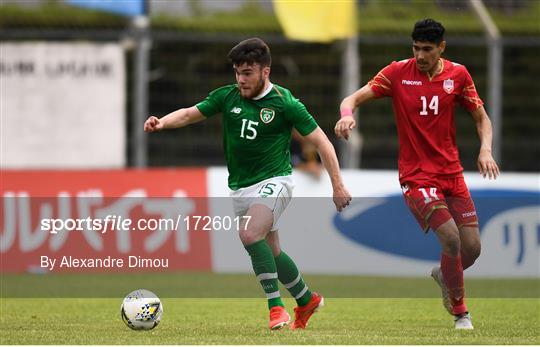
141, 310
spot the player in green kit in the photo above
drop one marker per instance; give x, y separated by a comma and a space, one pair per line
258, 118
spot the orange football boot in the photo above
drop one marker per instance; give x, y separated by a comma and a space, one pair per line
303, 313
278, 318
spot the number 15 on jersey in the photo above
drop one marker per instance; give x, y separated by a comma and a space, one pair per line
248, 130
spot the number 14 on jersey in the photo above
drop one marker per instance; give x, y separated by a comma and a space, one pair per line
433, 105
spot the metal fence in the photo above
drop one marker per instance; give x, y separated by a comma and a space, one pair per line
185, 66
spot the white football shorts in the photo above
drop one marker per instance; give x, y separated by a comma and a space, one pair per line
275, 193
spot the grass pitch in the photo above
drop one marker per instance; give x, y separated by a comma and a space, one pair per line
238, 321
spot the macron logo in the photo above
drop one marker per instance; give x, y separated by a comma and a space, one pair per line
468, 214
411, 83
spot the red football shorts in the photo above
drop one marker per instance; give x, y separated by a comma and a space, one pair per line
425, 196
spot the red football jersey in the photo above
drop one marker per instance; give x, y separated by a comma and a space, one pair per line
424, 112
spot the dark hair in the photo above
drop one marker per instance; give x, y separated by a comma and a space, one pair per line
428, 30
250, 51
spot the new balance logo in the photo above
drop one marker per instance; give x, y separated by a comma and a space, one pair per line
411, 83
236, 110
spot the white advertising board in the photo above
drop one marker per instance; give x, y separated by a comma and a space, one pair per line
377, 235
63, 105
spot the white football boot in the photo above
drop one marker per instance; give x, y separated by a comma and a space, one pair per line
463, 321
436, 273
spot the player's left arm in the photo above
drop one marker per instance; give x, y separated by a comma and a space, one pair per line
486, 164
318, 138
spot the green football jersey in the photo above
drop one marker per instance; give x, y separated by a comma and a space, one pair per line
257, 133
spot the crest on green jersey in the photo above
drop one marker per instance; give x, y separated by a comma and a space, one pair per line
267, 115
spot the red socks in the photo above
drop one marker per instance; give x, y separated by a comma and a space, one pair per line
452, 271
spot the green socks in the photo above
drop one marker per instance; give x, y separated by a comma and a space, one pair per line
265, 269
268, 269
292, 280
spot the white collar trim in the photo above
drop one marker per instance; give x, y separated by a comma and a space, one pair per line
266, 91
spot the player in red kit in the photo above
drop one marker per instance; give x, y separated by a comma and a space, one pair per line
425, 91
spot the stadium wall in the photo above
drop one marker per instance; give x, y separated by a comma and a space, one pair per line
60, 101
376, 235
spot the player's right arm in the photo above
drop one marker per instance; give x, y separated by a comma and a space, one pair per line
379, 86
348, 105
177, 119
